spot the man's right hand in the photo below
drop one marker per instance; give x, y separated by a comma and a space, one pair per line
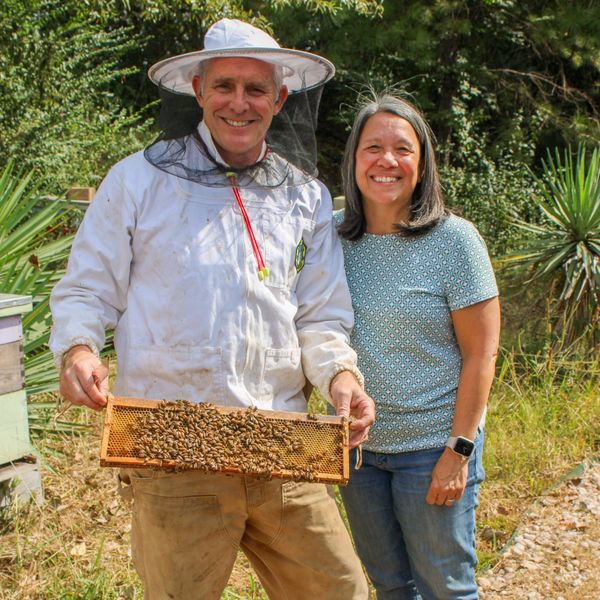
83, 378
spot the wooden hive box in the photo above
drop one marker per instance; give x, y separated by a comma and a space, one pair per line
19, 473
14, 428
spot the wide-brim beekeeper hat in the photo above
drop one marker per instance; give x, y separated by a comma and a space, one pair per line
232, 38
182, 150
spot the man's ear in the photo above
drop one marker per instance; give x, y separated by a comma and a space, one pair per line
196, 87
283, 94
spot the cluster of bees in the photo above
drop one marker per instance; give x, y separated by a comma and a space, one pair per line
183, 435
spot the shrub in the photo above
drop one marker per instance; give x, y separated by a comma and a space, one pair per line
59, 114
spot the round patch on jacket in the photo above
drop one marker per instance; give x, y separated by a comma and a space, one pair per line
300, 255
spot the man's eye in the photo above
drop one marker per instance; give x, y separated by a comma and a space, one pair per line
256, 91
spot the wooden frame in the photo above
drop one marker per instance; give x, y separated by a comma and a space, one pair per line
337, 423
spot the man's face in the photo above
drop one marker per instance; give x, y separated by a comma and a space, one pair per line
239, 100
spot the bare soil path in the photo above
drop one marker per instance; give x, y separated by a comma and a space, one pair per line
555, 552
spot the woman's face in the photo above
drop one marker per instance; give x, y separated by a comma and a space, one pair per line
387, 162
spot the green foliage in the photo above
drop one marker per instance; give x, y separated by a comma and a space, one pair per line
489, 191
488, 199
333, 7
33, 251
564, 248
59, 114
486, 71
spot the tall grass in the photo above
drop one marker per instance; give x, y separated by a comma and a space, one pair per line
544, 416
543, 419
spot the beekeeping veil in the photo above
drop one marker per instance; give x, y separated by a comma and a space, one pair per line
185, 147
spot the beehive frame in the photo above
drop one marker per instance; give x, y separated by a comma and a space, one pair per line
321, 434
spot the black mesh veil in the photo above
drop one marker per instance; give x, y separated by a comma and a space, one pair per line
290, 160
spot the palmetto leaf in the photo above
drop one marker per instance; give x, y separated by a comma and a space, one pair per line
32, 259
566, 246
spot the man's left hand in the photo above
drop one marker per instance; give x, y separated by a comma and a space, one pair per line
350, 399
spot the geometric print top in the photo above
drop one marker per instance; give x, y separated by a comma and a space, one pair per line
403, 290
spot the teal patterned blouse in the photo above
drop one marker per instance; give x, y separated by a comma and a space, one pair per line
403, 290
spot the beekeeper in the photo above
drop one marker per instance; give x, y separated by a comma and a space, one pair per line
213, 256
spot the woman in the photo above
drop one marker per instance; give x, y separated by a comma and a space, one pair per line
427, 324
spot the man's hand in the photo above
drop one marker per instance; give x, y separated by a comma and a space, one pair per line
350, 399
448, 479
83, 378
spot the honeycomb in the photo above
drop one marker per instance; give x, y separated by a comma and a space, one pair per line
319, 452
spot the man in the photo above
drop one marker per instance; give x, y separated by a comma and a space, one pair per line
215, 260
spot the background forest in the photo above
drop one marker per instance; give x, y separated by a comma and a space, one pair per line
512, 91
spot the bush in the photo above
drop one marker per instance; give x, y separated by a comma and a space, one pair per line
58, 114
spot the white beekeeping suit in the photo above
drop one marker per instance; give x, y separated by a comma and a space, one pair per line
168, 264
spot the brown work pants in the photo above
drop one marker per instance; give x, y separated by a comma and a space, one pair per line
187, 528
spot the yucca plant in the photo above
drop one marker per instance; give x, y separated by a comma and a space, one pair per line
35, 240
564, 247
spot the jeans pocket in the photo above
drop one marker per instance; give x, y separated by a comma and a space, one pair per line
476, 470
124, 487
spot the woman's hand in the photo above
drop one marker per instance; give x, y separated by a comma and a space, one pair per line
448, 479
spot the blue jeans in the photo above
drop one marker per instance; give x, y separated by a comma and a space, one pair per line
411, 549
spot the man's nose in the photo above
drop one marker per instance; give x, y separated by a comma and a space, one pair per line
239, 101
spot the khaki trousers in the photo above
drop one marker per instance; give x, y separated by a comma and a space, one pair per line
187, 528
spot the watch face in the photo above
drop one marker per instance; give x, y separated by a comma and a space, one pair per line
464, 446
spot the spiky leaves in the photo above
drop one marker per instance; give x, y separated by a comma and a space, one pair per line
33, 253
564, 247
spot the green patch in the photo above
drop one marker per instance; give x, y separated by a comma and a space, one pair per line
300, 256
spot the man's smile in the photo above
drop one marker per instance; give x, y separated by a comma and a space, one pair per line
235, 123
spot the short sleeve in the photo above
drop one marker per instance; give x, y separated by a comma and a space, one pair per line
470, 277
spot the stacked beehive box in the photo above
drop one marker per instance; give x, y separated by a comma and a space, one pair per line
19, 473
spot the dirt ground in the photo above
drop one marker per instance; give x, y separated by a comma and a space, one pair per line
555, 552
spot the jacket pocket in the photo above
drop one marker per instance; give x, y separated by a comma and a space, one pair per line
282, 376
173, 373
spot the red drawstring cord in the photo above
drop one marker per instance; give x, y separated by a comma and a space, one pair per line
263, 271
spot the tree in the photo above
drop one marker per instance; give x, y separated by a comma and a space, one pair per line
59, 113
489, 74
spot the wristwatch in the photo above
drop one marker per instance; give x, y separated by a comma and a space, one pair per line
461, 445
